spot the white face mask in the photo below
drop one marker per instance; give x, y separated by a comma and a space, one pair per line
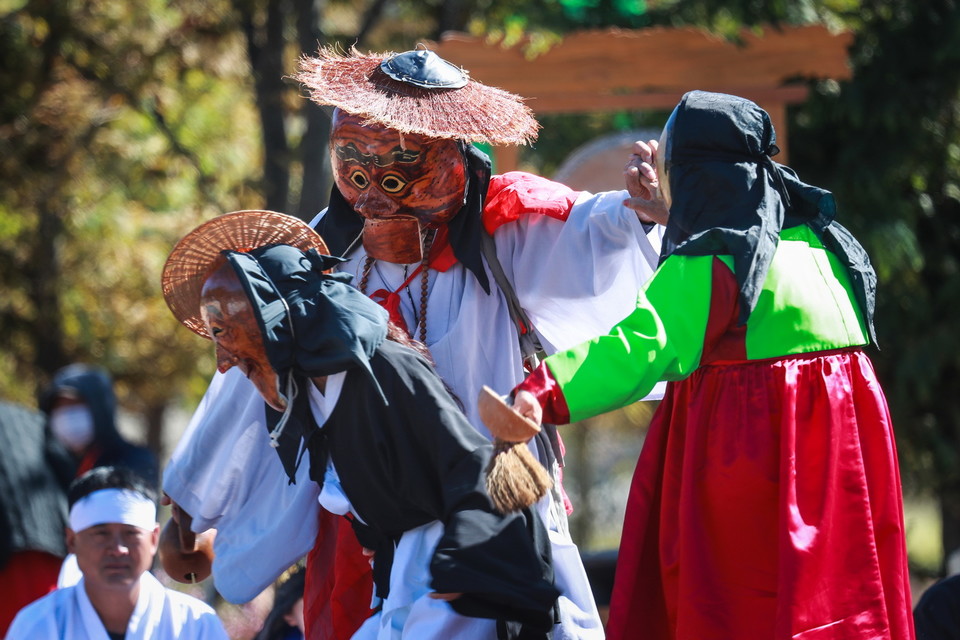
73, 426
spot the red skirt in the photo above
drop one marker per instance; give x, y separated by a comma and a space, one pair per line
766, 504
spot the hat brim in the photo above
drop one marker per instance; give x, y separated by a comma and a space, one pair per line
195, 255
475, 112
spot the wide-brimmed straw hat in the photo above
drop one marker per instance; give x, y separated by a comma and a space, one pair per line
194, 257
417, 92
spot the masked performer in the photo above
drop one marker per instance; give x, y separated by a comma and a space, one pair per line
452, 252
388, 444
766, 501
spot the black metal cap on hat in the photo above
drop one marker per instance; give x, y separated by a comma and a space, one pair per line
425, 69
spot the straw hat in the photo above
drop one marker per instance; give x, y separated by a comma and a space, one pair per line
193, 258
417, 92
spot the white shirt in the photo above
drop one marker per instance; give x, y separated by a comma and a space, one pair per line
160, 614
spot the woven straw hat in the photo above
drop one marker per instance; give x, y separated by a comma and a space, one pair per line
417, 92
192, 258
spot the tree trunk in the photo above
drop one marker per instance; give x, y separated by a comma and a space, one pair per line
265, 52
317, 179
47, 329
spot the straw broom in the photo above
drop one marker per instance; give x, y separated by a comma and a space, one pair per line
514, 478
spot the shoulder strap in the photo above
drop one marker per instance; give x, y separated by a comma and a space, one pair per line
530, 347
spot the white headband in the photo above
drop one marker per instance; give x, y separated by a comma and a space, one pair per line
113, 505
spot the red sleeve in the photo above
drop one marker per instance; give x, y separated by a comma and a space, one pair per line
547, 392
516, 193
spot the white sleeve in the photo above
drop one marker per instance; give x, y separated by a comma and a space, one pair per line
577, 278
225, 474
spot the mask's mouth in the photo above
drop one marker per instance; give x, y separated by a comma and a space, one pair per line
396, 239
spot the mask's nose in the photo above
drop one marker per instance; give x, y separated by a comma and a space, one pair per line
374, 203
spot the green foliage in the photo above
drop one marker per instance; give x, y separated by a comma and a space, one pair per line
122, 127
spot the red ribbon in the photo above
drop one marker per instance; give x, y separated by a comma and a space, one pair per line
441, 258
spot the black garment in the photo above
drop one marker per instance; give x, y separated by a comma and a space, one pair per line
730, 197
95, 387
34, 474
937, 615
418, 460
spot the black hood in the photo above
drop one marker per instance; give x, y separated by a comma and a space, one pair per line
731, 198
313, 324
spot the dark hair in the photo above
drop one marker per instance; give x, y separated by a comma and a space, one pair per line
109, 478
286, 594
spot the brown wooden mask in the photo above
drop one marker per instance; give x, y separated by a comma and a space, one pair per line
232, 325
398, 183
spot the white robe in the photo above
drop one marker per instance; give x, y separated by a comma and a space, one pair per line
160, 614
574, 278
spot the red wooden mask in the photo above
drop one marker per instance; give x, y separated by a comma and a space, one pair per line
228, 314
399, 183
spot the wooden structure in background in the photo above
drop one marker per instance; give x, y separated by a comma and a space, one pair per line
652, 68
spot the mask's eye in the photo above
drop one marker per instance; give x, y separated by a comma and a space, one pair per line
360, 179
392, 183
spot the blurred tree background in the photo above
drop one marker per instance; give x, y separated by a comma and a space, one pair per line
124, 125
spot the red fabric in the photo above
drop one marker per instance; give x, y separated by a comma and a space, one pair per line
515, 194
548, 393
724, 340
766, 504
28, 575
390, 300
441, 258
89, 460
338, 584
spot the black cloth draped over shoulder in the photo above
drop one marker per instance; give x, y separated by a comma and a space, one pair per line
730, 198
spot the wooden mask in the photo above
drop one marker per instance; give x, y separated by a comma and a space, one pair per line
399, 183
228, 314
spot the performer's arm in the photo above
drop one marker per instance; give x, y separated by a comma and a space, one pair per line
662, 339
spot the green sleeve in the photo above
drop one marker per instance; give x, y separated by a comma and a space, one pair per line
661, 340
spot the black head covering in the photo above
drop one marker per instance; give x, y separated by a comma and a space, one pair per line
341, 226
313, 324
730, 197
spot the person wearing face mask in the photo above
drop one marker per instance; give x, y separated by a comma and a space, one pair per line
766, 501
80, 407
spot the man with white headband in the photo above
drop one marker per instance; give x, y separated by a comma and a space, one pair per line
114, 533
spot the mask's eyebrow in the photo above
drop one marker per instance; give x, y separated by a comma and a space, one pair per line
398, 155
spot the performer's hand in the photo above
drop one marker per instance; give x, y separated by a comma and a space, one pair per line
446, 597
643, 184
525, 403
369, 554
